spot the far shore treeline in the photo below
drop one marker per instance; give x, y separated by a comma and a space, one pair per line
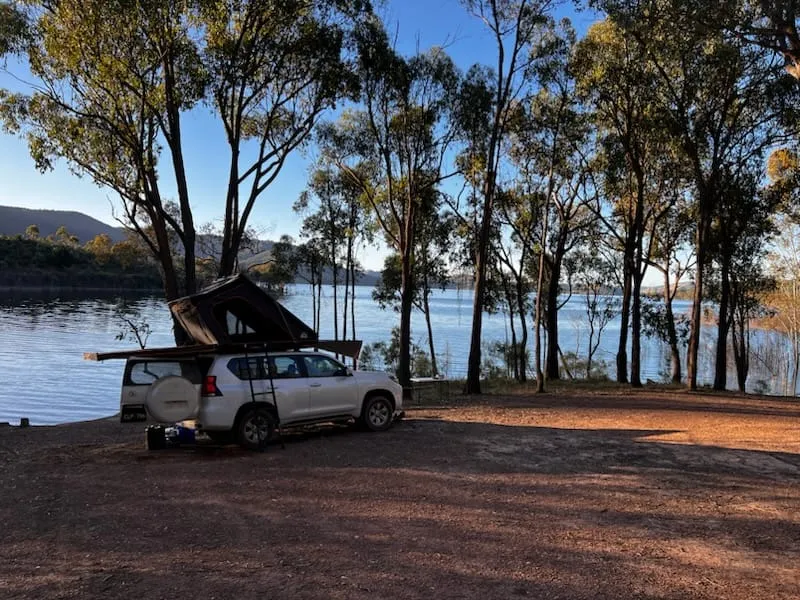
661, 141
60, 261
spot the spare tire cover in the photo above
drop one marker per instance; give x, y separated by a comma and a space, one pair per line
173, 398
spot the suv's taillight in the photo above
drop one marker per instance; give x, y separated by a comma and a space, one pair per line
210, 386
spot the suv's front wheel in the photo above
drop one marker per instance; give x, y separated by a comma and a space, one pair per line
377, 413
255, 428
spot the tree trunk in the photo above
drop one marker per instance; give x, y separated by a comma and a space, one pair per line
473, 385
551, 364
636, 330
319, 300
590, 353
335, 270
515, 357
427, 308
538, 311
231, 212
314, 306
353, 307
624, 317
721, 361
406, 304
672, 334
514, 369
551, 318
346, 286
170, 277
697, 300
176, 151
638, 268
740, 353
523, 343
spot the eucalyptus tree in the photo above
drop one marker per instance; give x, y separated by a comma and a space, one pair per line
431, 272
769, 24
274, 68
325, 205
739, 233
672, 255
103, 102
714, 94
593, 276
338, 223
551, 138
750, 284
114, 79
304, 261
622, 90
518, 221
393, 148
520, 30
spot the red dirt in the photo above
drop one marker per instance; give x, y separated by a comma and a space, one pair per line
616, 494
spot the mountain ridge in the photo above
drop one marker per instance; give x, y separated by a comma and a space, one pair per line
14, 220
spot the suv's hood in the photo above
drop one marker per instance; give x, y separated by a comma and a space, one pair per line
371, 376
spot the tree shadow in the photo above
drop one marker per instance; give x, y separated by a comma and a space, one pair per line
431, 508
644, 400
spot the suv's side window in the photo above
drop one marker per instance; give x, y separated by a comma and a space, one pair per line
284, 367
248, 368
321, 366
145, 373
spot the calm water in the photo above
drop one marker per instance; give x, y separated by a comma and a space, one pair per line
42, 340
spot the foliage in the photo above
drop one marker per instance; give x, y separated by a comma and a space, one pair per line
386, 356
655, 321
135, 328
13, 28
113, 80
58, 261
392, 149
524, 39
502, 359
596, 369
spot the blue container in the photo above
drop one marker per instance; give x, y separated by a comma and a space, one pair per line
185, 434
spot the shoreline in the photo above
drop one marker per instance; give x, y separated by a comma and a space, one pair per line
14, 424
47, 288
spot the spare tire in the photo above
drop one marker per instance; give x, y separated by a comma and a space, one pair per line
173, 398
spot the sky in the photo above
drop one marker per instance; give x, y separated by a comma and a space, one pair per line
418, 24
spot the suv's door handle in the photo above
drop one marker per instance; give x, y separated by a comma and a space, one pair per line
315, 384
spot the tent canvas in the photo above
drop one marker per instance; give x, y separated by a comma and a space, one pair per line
235, 310
236, 315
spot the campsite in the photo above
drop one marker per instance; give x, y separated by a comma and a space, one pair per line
578, 493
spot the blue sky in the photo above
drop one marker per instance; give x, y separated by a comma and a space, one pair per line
417, 23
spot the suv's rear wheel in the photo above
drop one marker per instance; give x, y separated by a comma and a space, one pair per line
376, 415
255, 428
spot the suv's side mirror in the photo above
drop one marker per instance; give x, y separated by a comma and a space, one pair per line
343, 372
348, 371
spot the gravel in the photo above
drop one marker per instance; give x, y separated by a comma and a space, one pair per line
610, 494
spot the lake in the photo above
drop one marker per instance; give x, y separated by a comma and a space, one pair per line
43, 337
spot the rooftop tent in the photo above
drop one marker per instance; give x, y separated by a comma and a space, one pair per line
235, 310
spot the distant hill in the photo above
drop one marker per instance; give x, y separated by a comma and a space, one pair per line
15, 220
247, 258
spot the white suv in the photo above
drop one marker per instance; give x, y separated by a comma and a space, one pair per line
245, 397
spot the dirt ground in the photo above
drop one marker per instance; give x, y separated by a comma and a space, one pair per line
614, 494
